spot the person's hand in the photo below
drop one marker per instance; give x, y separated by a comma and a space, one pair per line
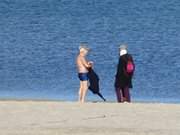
90, 63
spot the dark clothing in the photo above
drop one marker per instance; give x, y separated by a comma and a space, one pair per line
94, 83
83, 76
122, 79
123, 94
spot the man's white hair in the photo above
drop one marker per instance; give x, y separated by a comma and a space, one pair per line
83, 48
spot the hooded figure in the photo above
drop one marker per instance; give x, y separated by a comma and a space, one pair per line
94, 83
123, 79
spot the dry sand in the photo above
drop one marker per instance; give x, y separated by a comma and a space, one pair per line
63, 118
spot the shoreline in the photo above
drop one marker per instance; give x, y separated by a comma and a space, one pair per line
89, 101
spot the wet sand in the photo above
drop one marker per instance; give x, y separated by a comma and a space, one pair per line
68, 118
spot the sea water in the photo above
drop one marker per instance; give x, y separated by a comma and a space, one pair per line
39, 42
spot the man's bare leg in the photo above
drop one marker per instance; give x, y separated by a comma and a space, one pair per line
84, 90
80, 91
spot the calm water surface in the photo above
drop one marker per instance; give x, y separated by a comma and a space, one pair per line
39, 41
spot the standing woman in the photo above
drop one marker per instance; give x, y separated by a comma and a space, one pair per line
123, 79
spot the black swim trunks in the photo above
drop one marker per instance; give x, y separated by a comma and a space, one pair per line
83, 76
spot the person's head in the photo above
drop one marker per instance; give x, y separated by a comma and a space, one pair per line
123, 49
83, 49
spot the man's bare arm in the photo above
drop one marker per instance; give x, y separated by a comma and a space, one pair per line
85, 63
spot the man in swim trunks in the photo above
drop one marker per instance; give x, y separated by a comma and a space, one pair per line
82, 66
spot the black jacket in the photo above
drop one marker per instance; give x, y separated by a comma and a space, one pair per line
94, 81
123, 80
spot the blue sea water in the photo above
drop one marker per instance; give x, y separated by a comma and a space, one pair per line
39, 41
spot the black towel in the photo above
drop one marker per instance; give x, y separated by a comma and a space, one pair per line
94, 83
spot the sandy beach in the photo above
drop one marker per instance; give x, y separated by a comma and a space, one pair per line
68, 118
